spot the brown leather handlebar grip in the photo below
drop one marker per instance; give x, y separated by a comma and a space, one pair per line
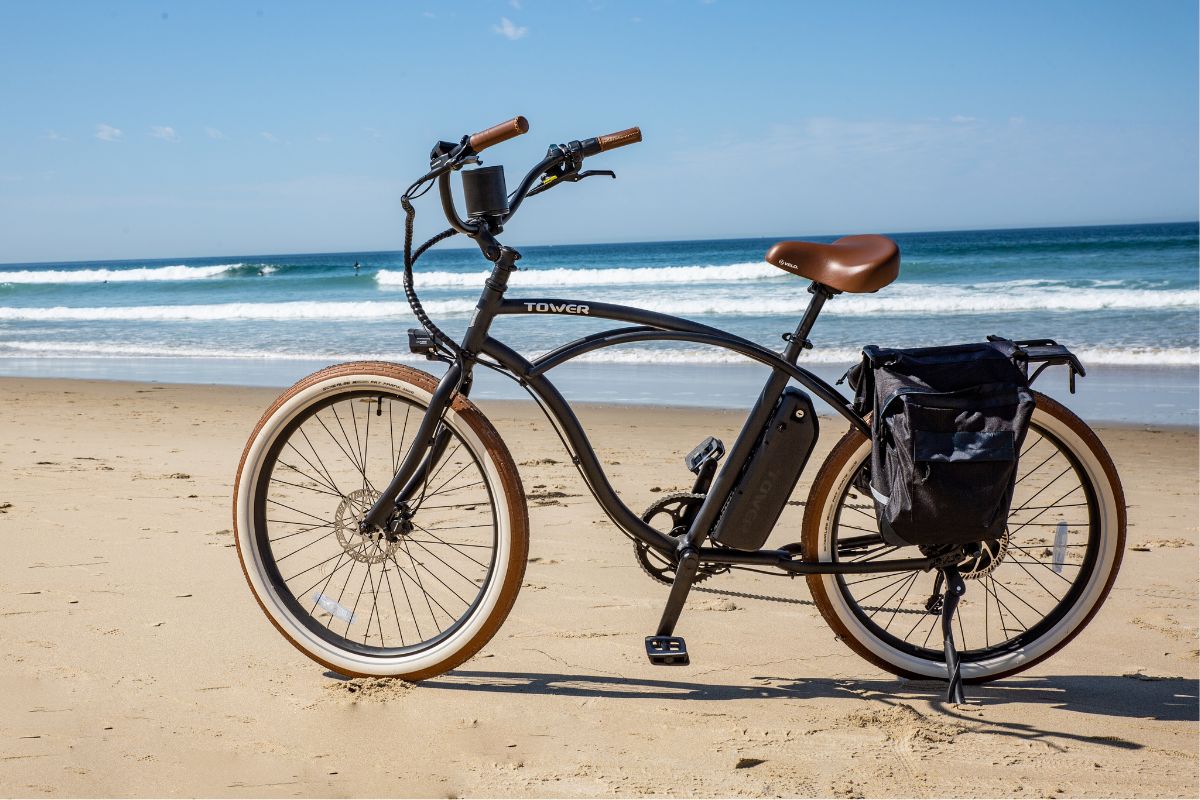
612, 141
499, 133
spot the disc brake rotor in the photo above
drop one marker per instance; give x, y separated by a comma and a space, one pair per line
367, 548
991, 554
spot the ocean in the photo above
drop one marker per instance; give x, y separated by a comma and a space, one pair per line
1125, 298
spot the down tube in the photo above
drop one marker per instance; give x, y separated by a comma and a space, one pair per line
581, 449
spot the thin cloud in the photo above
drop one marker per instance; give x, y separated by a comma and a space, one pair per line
55, 136
270, 137
428, 15
374, 133
508, 30
213, 133
324, 138
164, 132
516, 4
107, 133
962, 120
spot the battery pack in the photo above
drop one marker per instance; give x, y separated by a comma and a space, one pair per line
770, 474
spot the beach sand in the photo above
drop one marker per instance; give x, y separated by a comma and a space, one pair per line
134, 660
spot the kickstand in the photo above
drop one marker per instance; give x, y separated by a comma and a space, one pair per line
663, 648
955, 589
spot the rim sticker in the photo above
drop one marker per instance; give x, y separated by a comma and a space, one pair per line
1060, 545
333, 607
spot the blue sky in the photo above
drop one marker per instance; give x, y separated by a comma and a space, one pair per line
140, 130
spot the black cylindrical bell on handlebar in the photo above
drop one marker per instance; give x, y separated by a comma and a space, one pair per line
485, 192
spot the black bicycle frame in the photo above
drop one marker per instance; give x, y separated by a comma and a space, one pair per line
645, 326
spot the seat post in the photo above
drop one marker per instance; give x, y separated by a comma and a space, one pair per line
798, 341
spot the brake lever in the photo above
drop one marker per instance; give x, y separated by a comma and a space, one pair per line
553, 179
450, 156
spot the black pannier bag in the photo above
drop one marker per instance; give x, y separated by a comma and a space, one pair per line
947, 428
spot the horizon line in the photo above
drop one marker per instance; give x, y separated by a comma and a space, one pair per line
615, 242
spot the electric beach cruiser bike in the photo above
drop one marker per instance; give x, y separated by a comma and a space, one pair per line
382, 523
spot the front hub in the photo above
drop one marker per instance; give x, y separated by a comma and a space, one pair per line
369, 546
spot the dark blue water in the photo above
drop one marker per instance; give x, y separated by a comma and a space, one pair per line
1120, 295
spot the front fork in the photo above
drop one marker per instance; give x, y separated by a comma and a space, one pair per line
431, 438
429, 443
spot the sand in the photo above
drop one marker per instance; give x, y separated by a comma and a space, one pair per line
134, 660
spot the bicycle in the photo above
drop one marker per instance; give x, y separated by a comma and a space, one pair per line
382, 525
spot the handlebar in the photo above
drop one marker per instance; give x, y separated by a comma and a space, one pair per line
498, 133
611, 141
562, 163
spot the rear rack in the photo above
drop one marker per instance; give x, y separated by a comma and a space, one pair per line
1047, 353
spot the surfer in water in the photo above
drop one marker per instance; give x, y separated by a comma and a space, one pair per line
355, 267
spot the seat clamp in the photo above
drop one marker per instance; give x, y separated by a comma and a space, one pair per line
804, 343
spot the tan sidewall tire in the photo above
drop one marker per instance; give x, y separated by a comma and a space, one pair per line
837, 471
503, 480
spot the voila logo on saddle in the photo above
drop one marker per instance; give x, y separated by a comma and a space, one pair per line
557, 308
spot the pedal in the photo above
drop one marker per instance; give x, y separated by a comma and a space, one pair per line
711, 449
667, 651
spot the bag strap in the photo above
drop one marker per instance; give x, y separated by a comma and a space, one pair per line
995, 394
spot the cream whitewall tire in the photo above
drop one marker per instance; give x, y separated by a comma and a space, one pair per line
1107, 514
478, 438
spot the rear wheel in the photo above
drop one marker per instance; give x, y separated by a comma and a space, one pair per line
411, 603
1029, 592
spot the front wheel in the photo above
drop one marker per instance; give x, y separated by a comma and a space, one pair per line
411, 603
1029, 592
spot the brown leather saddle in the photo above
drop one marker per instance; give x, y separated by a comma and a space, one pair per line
864, 263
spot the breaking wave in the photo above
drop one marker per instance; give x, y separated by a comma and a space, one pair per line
178, 272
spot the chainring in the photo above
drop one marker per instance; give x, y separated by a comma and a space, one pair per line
674, 506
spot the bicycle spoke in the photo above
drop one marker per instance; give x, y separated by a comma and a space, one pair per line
437, 578
324, 469
456, 489
448, 544
304, 547
403, 585
900, 602
320, 479
346, 436
901, 579
447, 563
1021, 564
298, 511
395, 611
873, 578
305, 488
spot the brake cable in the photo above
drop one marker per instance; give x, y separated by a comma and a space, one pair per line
410, 258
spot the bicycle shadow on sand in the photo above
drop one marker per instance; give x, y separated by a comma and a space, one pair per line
1165, 699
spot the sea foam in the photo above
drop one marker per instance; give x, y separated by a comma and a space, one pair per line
1128, 356
614, 276
178, 272
912, 300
